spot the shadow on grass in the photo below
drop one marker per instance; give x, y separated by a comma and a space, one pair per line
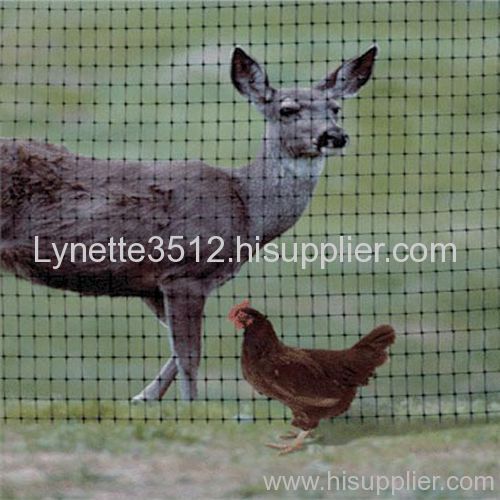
340, 433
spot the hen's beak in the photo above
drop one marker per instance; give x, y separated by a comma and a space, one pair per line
242, 319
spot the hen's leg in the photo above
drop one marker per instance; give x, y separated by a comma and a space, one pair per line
159, 385
295, 445
293, 434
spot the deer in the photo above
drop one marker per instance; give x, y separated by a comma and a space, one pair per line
58, 196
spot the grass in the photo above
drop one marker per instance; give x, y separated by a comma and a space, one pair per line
422, 166
109, 460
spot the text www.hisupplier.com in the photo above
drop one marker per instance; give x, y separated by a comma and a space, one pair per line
177, 248
410, 481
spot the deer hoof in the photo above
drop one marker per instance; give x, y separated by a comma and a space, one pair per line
144, 397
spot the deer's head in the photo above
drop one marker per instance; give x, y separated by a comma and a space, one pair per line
304, 121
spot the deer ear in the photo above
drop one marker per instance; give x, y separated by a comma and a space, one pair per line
348, 78
249, 78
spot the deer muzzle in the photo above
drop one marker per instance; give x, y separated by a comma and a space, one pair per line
332, 139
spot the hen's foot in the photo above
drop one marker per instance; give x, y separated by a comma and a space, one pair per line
296, 445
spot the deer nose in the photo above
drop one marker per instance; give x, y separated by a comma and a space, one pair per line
339, 141
336, 139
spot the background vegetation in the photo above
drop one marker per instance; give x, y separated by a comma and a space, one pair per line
151, 81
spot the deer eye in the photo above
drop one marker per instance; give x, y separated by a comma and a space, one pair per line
289, 109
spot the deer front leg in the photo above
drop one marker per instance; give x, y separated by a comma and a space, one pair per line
181, 308
155, 390
184, 312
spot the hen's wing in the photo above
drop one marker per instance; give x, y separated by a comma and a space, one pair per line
354, 367
346, 367
294, 377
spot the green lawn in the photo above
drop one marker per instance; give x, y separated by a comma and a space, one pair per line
210, 460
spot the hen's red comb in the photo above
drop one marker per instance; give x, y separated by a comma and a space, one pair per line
233, 313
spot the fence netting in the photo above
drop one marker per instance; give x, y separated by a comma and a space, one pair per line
150, 82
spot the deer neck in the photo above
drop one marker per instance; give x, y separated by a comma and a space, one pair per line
277, 188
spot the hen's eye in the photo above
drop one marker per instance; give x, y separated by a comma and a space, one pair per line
335, 110
289, 110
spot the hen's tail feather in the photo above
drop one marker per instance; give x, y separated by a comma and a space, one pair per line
379, 338
368, 354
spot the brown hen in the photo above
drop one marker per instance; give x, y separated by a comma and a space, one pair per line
314, 383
